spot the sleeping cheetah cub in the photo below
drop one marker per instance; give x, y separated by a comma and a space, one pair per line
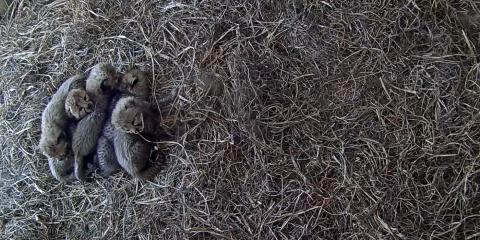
136, 83
62, 168
133, 115
53, 138
102, 80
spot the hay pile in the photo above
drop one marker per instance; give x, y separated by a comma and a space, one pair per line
327, 119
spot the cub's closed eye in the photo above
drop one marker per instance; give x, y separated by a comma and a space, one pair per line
129, 104
103, 85
59, 138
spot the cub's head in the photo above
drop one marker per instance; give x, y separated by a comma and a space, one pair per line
78, 104
136, 83
54, 143
128, 115
102, 78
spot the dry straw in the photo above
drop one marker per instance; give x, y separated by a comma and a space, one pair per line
298, 119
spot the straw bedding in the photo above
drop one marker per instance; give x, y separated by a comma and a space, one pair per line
299, 119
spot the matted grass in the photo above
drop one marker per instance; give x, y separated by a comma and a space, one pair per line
300, 119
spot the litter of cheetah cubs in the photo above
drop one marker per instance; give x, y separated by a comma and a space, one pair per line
77, 134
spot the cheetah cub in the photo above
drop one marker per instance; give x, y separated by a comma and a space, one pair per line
100, 83
53, 138
132, 151
135, 82
133, 115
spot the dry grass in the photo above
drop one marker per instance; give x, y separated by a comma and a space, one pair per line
351, 119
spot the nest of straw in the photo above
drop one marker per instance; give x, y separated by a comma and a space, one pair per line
299, 119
